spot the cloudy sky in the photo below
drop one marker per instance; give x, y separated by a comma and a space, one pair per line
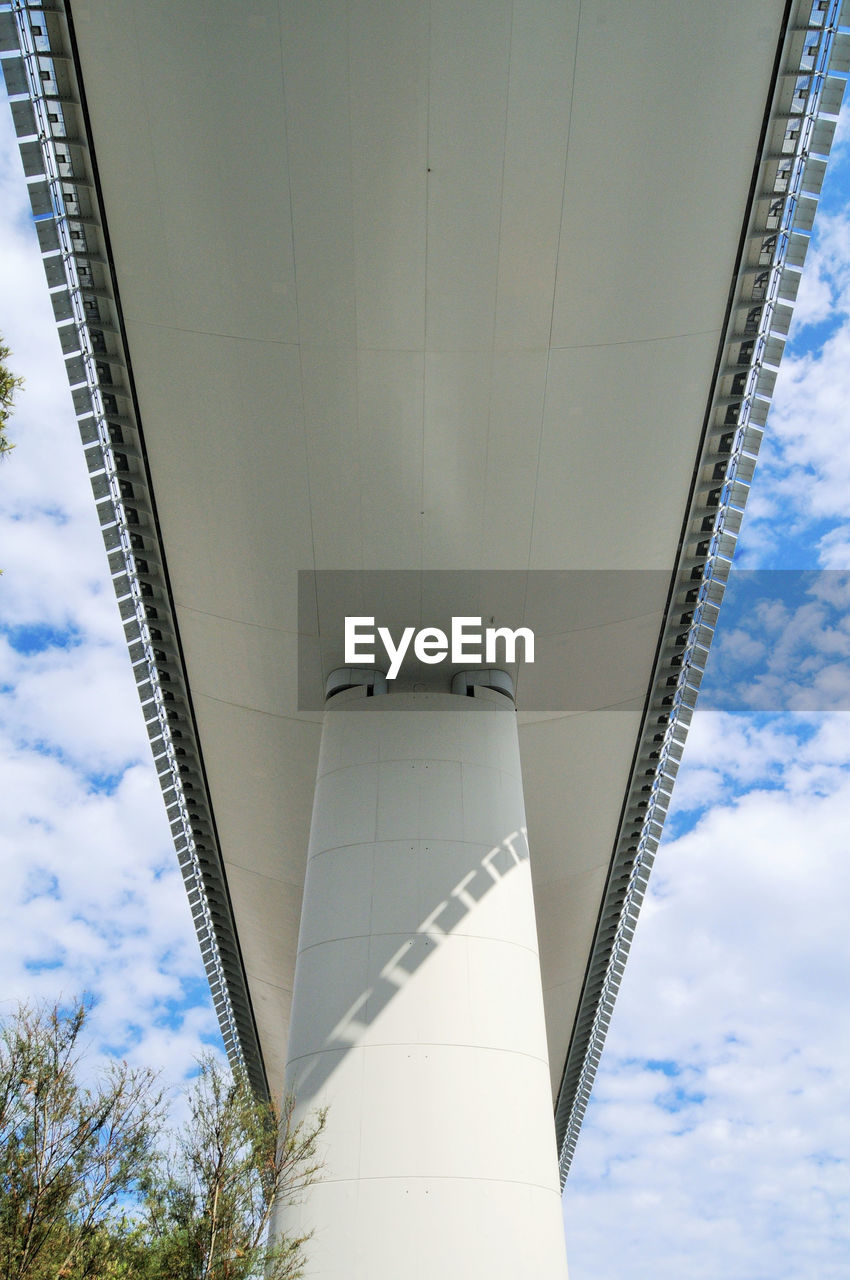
718, 1140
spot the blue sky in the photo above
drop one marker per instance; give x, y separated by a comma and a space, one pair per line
718, 1140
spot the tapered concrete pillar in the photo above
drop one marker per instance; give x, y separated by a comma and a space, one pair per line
417, 1014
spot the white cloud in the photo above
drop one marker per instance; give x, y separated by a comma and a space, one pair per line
737, 1164
81, 702
803, 474
91, 887
815, 299
810, 423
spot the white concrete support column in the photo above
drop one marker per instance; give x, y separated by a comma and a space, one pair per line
418, 1014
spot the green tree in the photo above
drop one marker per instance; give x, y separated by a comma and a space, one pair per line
70, 1151
207, 1207
9, 384
89, 1190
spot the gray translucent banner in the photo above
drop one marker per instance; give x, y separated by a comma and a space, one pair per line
600, 638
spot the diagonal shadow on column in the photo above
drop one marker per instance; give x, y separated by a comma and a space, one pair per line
394, 958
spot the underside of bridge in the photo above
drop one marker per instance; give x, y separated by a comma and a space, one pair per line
385, 285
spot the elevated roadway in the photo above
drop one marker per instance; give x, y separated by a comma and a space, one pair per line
375, 285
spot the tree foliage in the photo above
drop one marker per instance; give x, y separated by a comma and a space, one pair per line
90, 1190
9, 385
207, 1206
70, 1152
